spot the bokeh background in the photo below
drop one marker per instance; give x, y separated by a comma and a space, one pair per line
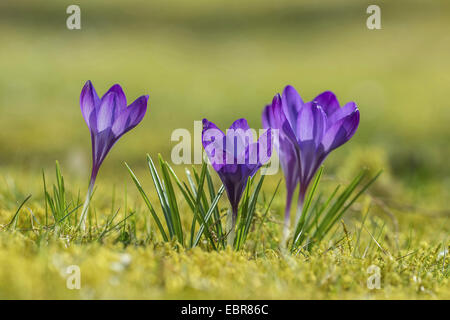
224, 60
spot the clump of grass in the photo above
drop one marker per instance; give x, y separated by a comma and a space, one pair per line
200, 194
57, 203
60, 216
318, 218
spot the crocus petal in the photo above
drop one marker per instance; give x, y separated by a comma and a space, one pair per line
311, 123
291, 104
273, 117
328, 101
121, 102
264, 147
105, 113
102, 142
240, 124
214, 144
341, 131
268, 118
341, 113
308, 159
210, 125
138, 110
351, 123
238, 137
130, 117
234, 179
289, 164
89, 101
258, 153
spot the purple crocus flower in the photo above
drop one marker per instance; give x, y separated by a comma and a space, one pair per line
273, 117
235, 157
315, 129
108, 119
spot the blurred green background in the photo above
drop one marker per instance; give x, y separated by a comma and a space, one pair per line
224, 60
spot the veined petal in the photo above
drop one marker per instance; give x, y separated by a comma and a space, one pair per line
265, 146
210, 130
89, 101
121, 102
341, 113
130, 116
291, 104
137, 111
267, 117
258, 153
210, 125
273, 115
105, 113
238, 138
308, 159
234, 178
102, 142
328, 101
213, 140
240, 124
340, 132
311, 123
289, 163
351, 125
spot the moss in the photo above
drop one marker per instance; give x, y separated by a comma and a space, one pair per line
161, 272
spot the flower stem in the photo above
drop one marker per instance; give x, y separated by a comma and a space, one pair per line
298, 215
85, 210
287, 218
232, 215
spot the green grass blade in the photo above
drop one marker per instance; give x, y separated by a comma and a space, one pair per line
217, 220
331, 213
363, 189
147, 202
197, 211
209, 213
170, 196
162, 196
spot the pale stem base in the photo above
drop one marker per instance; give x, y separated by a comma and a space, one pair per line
299, 212
287, 220
231, 228
85, 210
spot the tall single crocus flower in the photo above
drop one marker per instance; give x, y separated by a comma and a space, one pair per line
235, 157
315, 129
273, 117
108, 119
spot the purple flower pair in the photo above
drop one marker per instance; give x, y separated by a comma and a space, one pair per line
108, 119
308, 132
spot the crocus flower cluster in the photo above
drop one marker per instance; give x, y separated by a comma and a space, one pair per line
309, 131
235, 157
108, 119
